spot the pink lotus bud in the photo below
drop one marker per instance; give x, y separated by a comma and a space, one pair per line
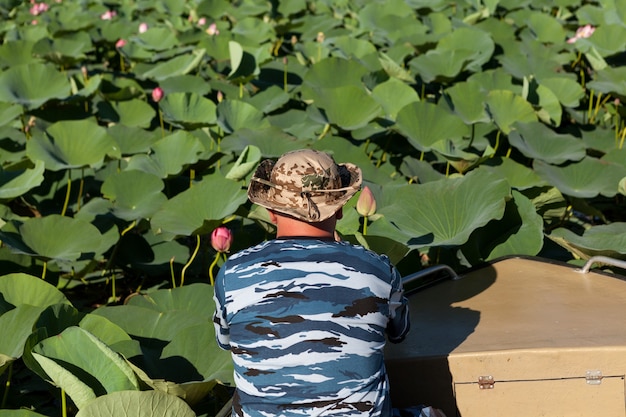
202, 21
108, 15
120, 43
220, 96
157, 94
212, 30
38, 8
366, 204
143, 27
582, 32
221, 239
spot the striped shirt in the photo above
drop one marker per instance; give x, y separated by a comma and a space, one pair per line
306, 321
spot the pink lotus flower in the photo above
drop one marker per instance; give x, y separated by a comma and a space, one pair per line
120, 43
108, 15
143, 27
582, 32
221, 239
38, 8
202, 21
157, 94
220, 96
366, 204
212, 30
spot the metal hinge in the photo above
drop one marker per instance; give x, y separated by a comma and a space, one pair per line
486, 382
594, 377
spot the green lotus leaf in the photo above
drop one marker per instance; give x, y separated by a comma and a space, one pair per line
17, 52
394, 70
519, 232
622, 186
134, 113
466, 100
132, 140
186, 83
180, 65
135, 194
335, 72
568, 91
9, 112
611, 80
365, 52
170, 155
607, 39
193, 298
233, 115
519, 176
72, 144
269, 99
20, 288
188, 110
16, 183
585, 179
546, 28
64, 50
32, 85
195, 210
57, 237
470, 39
242, 63
603, 240
245, 164
348, 107
393, 95
254, 29
417, 211
138, 404
507, 108
147, 323
156, 39
440, 65
17, 325
424, 124
271, 141
537, 141
192, 342
496, 79
550, 111
88, 359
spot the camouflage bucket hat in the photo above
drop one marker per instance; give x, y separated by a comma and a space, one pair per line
306, 184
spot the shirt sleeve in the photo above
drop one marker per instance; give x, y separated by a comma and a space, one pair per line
222, 330
399, 319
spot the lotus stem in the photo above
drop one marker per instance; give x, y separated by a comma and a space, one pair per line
447, 169
113, 287
45, 268
285, 75
325, 131
192, 176
172, 272
497, 145
161, 123
130, 226
211, 277
67, 194
81, 188
590, 106
193, 256
364, 225
240, 90
63, 403
7, 386
621, 142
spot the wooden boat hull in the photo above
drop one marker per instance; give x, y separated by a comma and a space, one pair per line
521, 336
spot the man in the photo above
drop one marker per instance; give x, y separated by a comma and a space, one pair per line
304, 315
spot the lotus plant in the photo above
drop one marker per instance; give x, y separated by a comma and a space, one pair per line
221, 239
582, 32
366, 206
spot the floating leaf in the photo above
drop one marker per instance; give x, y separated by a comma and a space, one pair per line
31, 85
507, 108
246, 163
348, 107
188, 110
537, 141
135, 194
16, 183
233, 115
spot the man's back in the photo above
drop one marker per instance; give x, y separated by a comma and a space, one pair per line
305, 320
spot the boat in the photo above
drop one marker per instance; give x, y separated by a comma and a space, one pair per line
519, 336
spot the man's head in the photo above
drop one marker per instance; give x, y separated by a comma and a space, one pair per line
305, 184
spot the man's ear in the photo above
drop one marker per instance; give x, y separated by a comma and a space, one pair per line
273, 217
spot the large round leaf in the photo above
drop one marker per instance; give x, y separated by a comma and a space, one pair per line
585, 179
466, 100
233, 115
57, 237
188, 109
137, 404
425, 124
31, 85
72, 144
192, 211
180, 65
19, 288
16, 183
449, 210
170, 155
537, 141
135, 194
348, 107
393, 95
507, 108
604, 240
335, 72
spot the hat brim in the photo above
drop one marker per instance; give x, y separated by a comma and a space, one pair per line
260, 186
